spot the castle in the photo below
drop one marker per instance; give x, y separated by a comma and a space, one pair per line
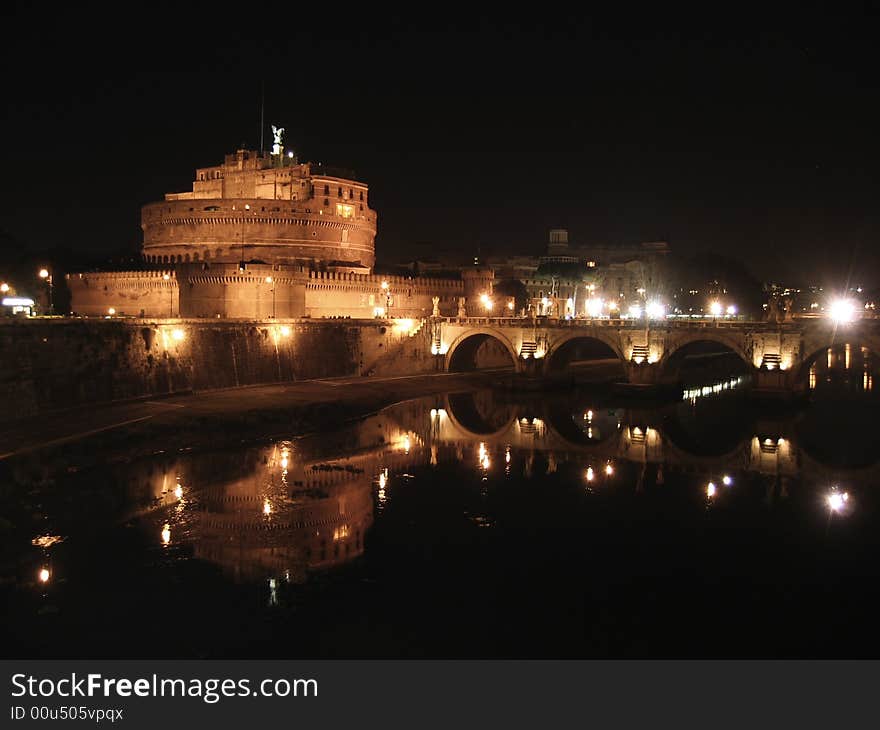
261, 236
264, 236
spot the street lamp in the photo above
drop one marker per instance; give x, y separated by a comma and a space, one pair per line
386, 290
4, 287
715, 308
167, 278
47, 276
270, 280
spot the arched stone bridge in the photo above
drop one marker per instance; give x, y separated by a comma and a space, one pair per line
778, 354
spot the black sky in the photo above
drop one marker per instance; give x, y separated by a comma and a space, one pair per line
731, 129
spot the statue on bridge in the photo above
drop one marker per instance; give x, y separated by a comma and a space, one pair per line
436, 311
462, 310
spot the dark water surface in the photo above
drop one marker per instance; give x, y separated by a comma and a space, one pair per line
472, 525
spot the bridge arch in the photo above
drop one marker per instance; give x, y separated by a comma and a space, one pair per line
814, 348
679, 349
462, 353
564, 347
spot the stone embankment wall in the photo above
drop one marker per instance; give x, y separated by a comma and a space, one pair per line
49, 365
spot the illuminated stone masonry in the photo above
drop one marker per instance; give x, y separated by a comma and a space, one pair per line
265, 207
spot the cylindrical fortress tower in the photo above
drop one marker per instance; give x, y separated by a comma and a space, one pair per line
263, 207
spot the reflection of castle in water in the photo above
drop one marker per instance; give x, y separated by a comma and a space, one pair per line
281, 511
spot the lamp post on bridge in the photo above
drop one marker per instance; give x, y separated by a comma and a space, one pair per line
270, 280
46, 275
167, 277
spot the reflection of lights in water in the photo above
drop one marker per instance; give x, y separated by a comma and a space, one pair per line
46, 541
507, 455
166, 533
609, 469
383, 481
813, 376
340, 533
590, 432
691, 394
44, 575
588, 416
847, 355
727, 479
407, 444
590, 474
837, 500
273, 592
178, 491
267, 507
483, 458
710, 490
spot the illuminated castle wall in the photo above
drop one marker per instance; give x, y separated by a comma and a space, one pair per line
257, 206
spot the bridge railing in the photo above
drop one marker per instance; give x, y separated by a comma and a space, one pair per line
600, 322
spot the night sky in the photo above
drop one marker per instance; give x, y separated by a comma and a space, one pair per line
732, 131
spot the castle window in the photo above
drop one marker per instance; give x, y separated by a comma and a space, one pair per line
212, 207
350, 193
346, 211
362, 195
339, 193
327, 201
326, 190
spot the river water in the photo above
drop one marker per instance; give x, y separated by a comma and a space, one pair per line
481, 524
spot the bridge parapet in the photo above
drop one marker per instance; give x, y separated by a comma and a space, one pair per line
775, 351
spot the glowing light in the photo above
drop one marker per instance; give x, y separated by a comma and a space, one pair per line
4, 287
166, 276
609, 469
507, 455
285, 331
406, 443
594, 307
268, 279
589, 415
178, 491
510, 305
731, 310
837, 500
635, 311
403, 326
267, 507
655, 310
715, 308
727, 480
842, 310
44, 273
591, 475
166, 533
710, 490
111, 311
383, 479
384, 286
44, 575
284, 462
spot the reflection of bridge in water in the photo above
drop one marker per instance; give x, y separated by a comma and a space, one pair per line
282, 511
599, 436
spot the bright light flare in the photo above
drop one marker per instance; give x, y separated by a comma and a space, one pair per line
635, 311
44, 575
715, 309
44, 273
591, 475
727, 480
166, 534
842, 310
711, 489
731, 311
609, 470
655, 310
837, 501
594, 307
267, 507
